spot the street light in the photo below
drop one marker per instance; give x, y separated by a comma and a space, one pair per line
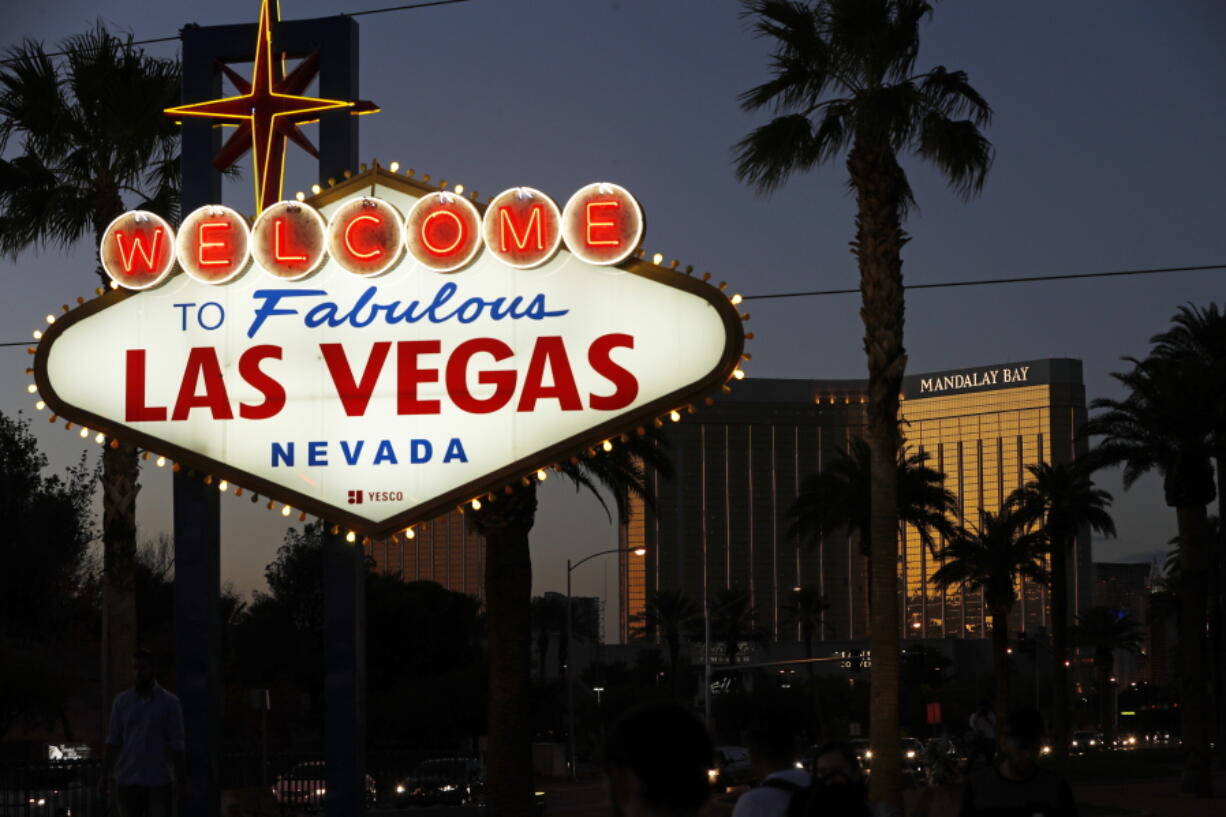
570, 687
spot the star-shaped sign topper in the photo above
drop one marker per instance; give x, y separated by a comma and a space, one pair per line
267, 111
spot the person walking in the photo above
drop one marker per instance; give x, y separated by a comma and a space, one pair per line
1019, 786
144, 745
982, 735
772, 751
657, 758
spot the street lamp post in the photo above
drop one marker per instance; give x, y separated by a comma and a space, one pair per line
570, 687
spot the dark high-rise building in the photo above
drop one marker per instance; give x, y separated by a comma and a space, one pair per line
442, 550
721, 521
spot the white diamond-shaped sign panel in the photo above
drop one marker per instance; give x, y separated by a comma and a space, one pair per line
378, 401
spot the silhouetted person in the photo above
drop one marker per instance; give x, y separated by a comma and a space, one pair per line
982, 734
772, 751
144, 745
657, 758
1018, 786
839, 789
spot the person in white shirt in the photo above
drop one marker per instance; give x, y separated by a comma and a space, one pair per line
772, 751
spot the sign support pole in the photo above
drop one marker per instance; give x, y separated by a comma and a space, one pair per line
197, 510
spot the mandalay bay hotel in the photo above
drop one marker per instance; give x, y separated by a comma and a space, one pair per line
722, 520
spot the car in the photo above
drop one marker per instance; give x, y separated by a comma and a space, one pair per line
865, 754
303, 788
453, 781
1086, 740
914, 759
45, 791
732, 768
1126, 740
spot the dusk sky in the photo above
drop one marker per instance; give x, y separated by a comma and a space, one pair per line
1109, 130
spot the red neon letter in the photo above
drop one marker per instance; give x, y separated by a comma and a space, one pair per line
135, 410
608, 242
361, 256
549, 353
459, 233
128, 256
202, 361
408, 376
505, 223
203, 244
354, 395
626, 385
280, 246
457, 376
274, 392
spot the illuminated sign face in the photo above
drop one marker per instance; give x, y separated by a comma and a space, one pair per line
377, 388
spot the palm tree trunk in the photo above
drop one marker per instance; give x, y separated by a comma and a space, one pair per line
1000, 660
508, 604
1059, 647
120, 472
1193, 533
878, 181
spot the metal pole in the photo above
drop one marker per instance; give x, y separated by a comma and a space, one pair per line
706, 662
570, 687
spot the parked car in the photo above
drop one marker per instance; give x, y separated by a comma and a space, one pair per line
913, 757
732, 768
451, 781
303, 788
44, 791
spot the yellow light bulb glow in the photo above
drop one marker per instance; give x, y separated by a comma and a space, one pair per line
161, 461
607, 446
674, 415
351, 537
476, 504
541, 475
285, 511
739, 374
223, 486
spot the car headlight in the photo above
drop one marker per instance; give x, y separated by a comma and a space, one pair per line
868, 753
1092, 742
1075, 744
910, 754
712, 775
1046, 750
798, 765
447, 787
320, 792
399, 788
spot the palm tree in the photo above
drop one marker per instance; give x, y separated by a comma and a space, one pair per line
1106, 630
734, 621
1165, 424
670, 614
505, 522
805, 610
838, 497
843, 78
1199, 335
994, 557
91, 135
1062, 500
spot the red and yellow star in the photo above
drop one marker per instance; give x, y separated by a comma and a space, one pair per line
267, 111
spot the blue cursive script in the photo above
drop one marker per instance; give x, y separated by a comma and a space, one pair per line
366, 311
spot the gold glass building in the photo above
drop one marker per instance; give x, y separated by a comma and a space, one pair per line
721, 521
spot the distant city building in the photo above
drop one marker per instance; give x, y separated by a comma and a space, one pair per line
443, 550
721, 521
1125, 587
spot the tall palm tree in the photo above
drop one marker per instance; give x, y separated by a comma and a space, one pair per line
670, 614
1106, 630
838, 498
1199, 334
505, 521
844, 79
1164, 424
805, 610
734, 621
1062, 500
90, 134
993, 557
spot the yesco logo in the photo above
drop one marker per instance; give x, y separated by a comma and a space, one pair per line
367, 236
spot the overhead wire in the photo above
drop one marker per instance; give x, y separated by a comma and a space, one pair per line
151, 40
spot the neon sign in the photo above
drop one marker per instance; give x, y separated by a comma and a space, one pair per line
387, 337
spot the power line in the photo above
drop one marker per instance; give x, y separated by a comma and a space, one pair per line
407, 7
941, 285
988, 281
